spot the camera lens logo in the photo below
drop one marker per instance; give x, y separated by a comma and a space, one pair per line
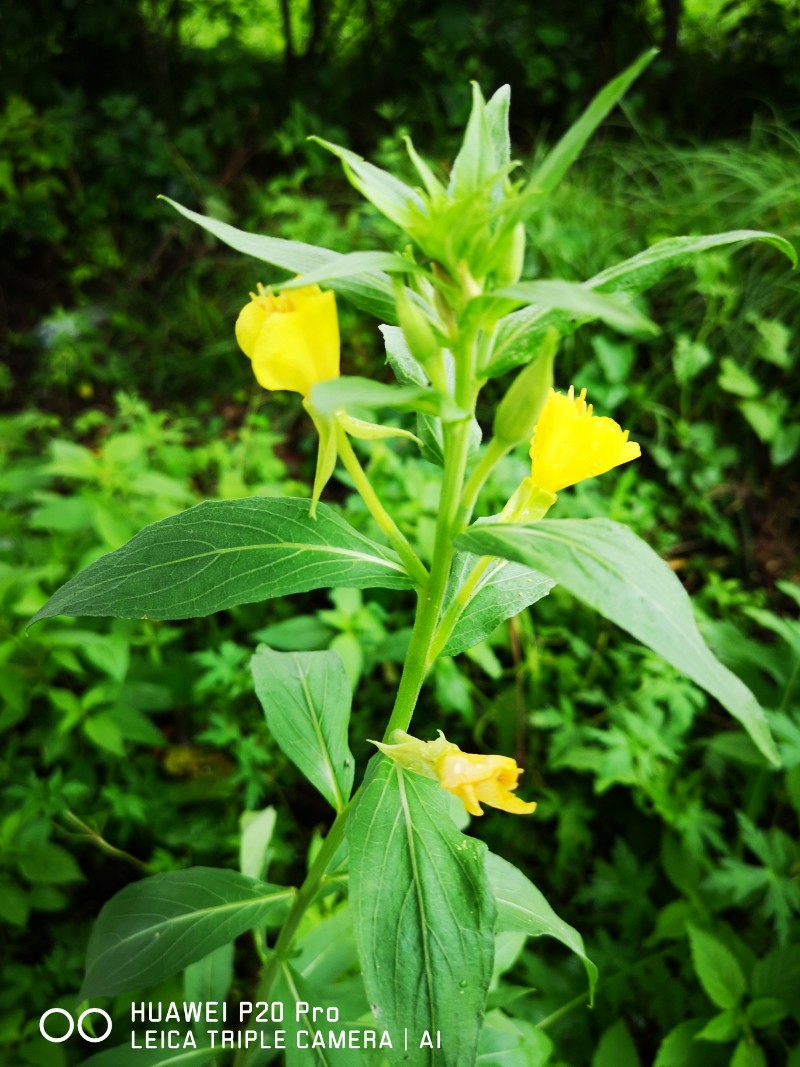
71, 1022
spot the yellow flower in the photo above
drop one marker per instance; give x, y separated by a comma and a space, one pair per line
477, 780
292, 339
570, 443
473, 778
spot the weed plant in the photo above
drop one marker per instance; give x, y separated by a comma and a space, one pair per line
126, 748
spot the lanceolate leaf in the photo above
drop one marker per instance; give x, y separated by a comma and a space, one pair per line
476, 161
306, 700
497, 118
369, 289
520, 906
504, 590
222, 553
128, 1056
563, 155
354, 264
393, 198
638, 273
519, 332
612, 570
351, 393
423, 914
156, 927
579, 300
296, 995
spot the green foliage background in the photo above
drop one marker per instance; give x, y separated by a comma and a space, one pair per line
131, 747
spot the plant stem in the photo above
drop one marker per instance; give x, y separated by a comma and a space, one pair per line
305, 896
396, 538
105, 846
495, 451
457, 605
431, 597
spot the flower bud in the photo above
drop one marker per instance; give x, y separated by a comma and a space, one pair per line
519, 410
511, 257
417, 330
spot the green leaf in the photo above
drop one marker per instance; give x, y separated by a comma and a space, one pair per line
717, 968
393, 198
497, 109
723, 1028
14, 903
638, 273
292, 990
507, 1042
612, 570
370, 291
748, 1054
125, 1056
679, 1049
503, 591
521, 906
306, 700
616, 1048
423, 914
104, 732
560, 159
735, 379
209, 978
328, 951
50, 864
520, 332
257, 829
353, 264
766, 1011
579, 299
778, 975
352, 392
154, 928
475, 162
222, 553
408, 372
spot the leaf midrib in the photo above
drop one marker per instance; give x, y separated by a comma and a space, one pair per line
191, 915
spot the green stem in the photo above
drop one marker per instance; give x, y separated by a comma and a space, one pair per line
105, 846
457, 605
305, 897
395, 537
431, 597
495, 451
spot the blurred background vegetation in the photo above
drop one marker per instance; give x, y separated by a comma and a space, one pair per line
132, 746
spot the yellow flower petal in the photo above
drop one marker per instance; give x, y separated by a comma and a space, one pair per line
292, 338
571, 444
248, 326
477, 780
473, 778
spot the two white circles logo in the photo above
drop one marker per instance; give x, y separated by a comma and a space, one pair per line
71, 1021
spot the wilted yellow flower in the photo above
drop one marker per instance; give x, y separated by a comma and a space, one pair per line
292, 338
473, 778
477, 780
570, 443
